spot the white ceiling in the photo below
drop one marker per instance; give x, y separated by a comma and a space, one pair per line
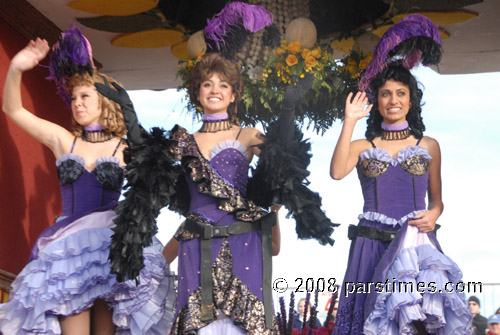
474, 45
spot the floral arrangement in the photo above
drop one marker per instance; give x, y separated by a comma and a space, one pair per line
355, 63
265, 84
287, 65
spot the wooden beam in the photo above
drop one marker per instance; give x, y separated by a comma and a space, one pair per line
28, 21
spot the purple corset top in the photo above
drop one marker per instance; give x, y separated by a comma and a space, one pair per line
394, 187
375, 161
228, 159
83, 190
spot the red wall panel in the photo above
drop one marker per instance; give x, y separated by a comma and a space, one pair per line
29, 190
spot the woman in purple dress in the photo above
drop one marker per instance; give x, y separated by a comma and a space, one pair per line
226, 242
67, 286
396, 273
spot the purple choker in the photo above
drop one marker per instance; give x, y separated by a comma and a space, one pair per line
213, 123
96, 134
93, 127
393, 132
215, 117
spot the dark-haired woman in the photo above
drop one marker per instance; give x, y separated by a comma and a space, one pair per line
227, 240
396, 266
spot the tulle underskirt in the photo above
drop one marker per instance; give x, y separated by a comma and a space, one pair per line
70, 273
428, 293
415, 260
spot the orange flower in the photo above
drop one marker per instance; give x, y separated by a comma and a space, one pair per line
316, 52
291, 60
311, 61
350, 69
363, 64
351, 61
294, 47
305, 53
279, 51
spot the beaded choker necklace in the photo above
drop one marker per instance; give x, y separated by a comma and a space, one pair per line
96, 134
213, 123
393, 132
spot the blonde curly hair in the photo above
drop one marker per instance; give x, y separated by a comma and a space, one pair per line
111, 113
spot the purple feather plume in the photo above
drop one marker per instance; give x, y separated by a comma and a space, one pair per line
70, 55
412, 40
227, 31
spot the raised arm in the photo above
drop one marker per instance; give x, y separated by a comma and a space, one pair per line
346, 153
48, 133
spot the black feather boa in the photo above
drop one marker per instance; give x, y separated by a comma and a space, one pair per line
153, 173
280, 177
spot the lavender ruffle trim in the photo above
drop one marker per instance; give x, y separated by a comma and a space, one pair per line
384, 219
76, 158
71, 273
384, 156
223, 325
228, 144
441, 312
110, 159
81, 160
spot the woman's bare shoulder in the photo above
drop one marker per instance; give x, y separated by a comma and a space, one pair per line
431, 144
358, 146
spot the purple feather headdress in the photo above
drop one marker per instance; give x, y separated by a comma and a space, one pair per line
415, 39
70, 55
227, 31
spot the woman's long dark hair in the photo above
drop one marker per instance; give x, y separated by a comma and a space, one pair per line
414, 117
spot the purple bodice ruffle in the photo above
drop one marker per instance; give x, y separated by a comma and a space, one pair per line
83, 191
394, 187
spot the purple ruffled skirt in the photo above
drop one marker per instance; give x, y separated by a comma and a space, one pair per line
378, 304
72, 270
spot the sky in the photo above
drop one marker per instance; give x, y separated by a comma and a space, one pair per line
461, 112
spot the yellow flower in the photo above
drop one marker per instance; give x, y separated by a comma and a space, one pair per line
316, 52
294, 47
279, 51
291, 60
190, 64
311, 61
305, 53
363, 64
351, 61
350, 68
